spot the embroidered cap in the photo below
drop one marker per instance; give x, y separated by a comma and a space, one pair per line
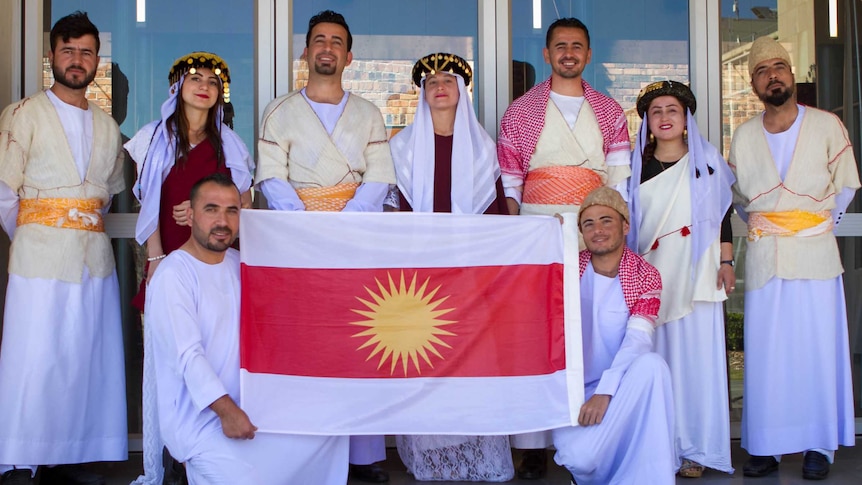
607, 197
189, 63
766, 48
441, 62
665, 88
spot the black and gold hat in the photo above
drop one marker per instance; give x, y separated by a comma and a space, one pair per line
665, 88
189, 63
441, 62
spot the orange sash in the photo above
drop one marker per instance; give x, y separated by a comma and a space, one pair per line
327, 199
82, 214
560, 185
788, 223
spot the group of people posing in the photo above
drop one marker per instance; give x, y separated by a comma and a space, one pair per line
656, 264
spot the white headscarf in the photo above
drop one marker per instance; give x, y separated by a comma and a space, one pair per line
154, 152
710, 192
475, 169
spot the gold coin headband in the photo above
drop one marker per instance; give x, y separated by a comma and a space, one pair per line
441, 62
665, 88
190, 63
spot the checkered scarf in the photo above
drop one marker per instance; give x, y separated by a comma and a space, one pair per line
524, 120
641, 284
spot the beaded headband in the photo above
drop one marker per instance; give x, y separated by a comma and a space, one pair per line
441, 62
189, 63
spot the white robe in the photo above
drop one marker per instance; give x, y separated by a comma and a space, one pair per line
634, 441
192, 310
797, 387
62, 379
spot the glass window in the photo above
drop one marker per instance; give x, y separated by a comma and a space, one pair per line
633, 43
389, 36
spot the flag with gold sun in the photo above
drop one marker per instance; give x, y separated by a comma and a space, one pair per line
408, 323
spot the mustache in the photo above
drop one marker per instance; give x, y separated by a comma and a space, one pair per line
221, 228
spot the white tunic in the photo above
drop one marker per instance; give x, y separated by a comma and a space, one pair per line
192, 313
62, 379
634, 441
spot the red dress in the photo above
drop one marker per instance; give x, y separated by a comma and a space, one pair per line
201, 161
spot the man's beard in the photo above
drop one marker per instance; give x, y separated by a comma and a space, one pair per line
60, 77
777, 98
216, 246
324, 70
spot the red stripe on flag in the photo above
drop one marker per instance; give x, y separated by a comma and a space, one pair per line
369, 323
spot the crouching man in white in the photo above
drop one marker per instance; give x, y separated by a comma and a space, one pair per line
192, 310
626, 424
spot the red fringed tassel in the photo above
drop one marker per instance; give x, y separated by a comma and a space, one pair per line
685, 231
654, 246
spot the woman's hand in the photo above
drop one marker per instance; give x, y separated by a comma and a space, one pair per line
181, 214
726, 278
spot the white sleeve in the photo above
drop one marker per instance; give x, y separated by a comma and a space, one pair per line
513, 186
280, 195
637, 341
368, 198
842, 200
8, 209
170, 309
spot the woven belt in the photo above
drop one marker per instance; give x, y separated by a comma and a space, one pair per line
560, 185
327, 199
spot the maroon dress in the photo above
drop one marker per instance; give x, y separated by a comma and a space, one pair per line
443, 182
201, 161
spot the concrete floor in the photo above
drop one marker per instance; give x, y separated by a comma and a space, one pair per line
847, 470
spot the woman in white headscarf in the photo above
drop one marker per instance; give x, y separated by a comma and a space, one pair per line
680, 208
189, 142
446, 162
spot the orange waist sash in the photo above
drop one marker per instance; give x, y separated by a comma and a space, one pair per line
82, 214
328, 199
560, 185
788, 223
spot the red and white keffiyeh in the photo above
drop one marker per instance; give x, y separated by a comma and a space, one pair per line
641, 284
524, 120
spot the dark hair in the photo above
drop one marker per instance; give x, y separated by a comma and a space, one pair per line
74, 26
569, 22
178, 126
328, 17
218, 178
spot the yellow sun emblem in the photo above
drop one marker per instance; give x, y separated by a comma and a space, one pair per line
403, 323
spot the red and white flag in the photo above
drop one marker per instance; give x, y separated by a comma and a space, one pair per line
408, 323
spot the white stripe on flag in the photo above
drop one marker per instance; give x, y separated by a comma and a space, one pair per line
460, 406
284, 239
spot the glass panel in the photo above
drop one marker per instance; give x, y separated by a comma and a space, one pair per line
132, 83
634, 43
389, 36
826, 67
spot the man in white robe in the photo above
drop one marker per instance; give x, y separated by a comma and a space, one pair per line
62, 379
323, 148
193, 307
626, 424
557, 143
795, 176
